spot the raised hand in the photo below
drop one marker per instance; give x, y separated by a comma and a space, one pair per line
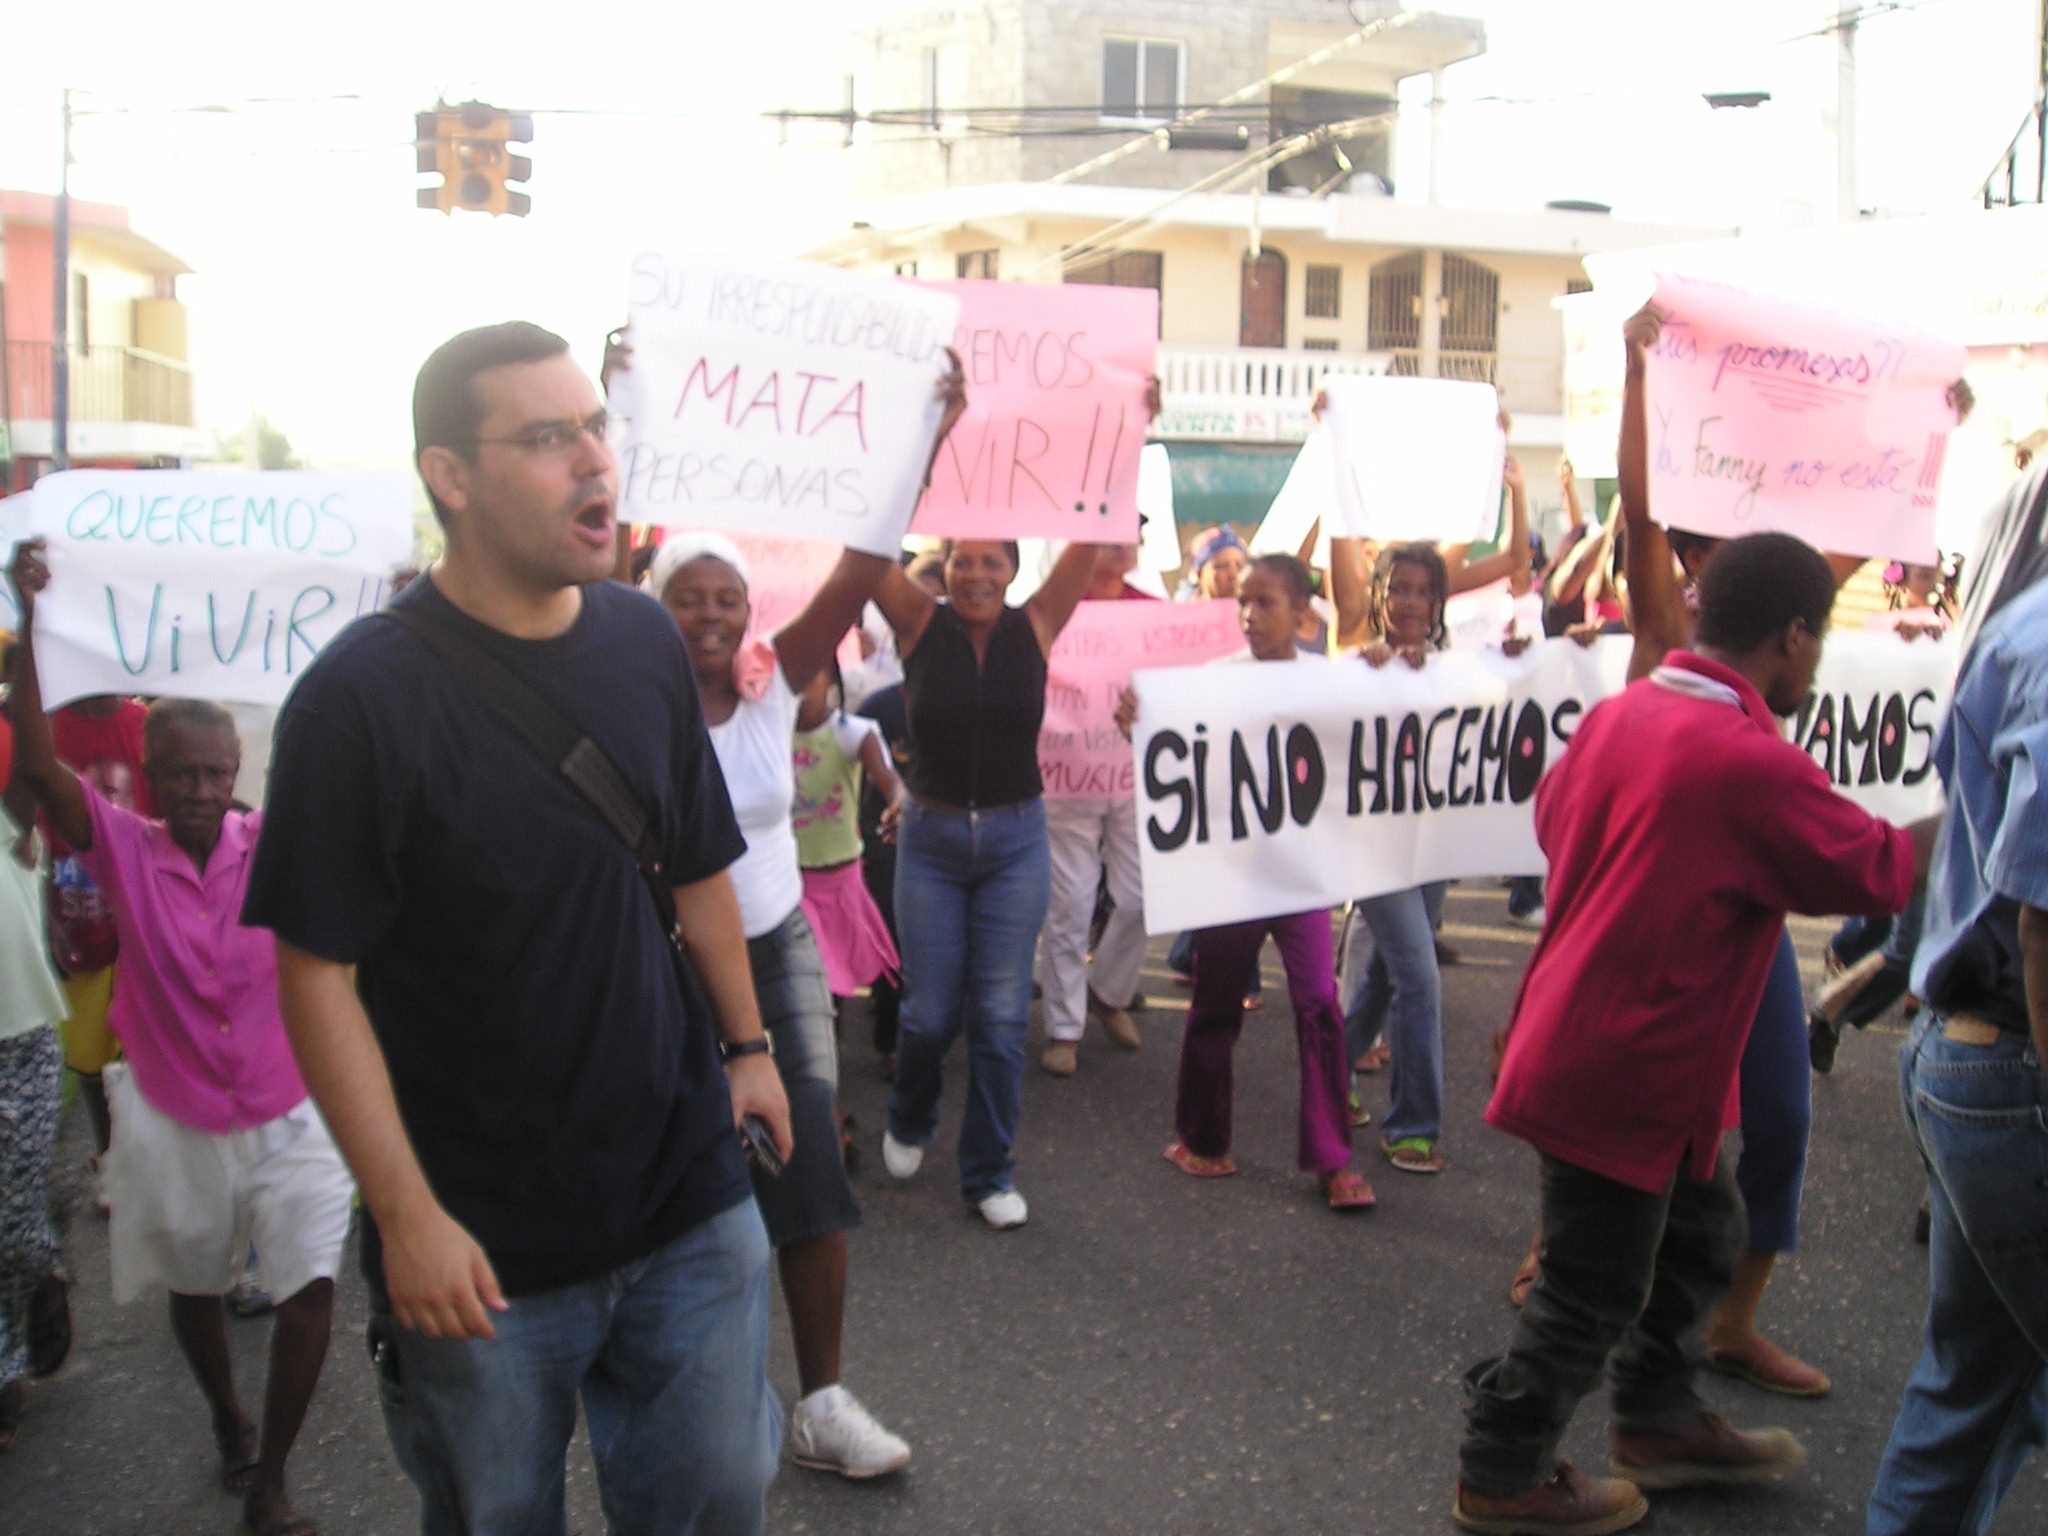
1640, 331
29, 573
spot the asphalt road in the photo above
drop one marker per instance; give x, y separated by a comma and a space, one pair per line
1151, 1354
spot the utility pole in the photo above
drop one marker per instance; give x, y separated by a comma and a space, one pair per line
1846, 210
60, 310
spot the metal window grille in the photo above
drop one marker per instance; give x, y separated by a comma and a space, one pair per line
1322, 292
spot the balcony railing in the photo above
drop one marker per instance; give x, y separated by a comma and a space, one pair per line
1529, 383
1258, 373
1263, 395
107, 384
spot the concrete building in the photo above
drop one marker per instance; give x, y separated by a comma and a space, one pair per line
978, 136
131, 386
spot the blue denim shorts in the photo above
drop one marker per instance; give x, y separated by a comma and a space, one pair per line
812, 1197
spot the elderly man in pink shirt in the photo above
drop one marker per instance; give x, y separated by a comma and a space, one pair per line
215, 1141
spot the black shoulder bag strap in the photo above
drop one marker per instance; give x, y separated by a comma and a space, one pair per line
562, 742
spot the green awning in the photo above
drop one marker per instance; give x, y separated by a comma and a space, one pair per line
1227, 482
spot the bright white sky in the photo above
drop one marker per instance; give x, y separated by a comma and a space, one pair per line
320, 287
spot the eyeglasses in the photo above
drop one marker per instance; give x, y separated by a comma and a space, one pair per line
557, 439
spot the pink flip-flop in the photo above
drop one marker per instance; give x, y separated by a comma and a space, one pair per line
1344, 1190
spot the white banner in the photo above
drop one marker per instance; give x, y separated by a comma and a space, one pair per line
1270, 788
1416, 458
778, 397
1877, 705
209, 586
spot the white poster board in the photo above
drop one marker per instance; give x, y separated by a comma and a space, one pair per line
1158, 533
211, 586
1309, 493
1415, 458
778, 397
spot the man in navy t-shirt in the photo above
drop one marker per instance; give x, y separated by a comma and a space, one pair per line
486, 1008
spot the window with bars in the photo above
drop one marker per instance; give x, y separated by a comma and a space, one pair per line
1578, 285
977, 263
1319, 344
1322, 292
1141, 78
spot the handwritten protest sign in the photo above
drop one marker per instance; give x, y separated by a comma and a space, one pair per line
214, 586
1415, 458
1081, 753
1272, 788
1771, 414
1048, 448
778, 397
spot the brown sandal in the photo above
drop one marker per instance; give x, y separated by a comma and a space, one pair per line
1197, 1166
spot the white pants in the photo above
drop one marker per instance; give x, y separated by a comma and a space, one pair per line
187, 1204
1089, 837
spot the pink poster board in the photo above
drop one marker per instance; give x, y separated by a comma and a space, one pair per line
1055, 421
1770, 414
1081, 753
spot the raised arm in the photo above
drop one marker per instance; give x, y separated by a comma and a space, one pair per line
806, 643
1568, 482
1512, 559
1350, 592
1569, 576
1656, 601
36, 765
1054, 603
440, 1282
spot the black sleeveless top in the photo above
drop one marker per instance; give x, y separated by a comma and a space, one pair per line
974, 729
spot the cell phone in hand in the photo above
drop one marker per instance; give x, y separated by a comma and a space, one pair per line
760, 1143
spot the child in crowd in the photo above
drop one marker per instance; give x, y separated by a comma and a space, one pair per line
1403, 989
829, 752
1273, 603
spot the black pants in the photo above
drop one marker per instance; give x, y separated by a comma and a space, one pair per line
1628, 1281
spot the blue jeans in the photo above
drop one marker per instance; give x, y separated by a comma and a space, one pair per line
670, 1356
1402, 993
1777, 1108
972, 889
1976, 1404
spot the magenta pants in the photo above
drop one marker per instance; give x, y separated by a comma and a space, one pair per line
1225, 960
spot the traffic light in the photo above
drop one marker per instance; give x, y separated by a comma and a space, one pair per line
466, 145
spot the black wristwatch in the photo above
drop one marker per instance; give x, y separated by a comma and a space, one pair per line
760, 1045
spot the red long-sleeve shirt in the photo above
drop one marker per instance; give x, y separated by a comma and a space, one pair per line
1680, 828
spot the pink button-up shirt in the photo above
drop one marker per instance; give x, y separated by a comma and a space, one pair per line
195, 993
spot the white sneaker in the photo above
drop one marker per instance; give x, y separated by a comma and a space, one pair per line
1004, 1209
831, 1431
1533, 919
901, 1161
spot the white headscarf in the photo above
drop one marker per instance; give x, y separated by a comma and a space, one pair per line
685, 545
